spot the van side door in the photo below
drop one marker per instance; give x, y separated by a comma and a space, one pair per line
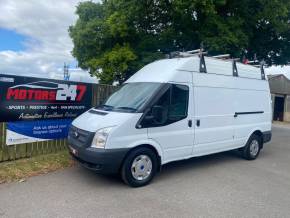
175, 133
214, 114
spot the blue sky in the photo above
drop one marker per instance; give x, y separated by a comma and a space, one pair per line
33, 36
10, 40
34, 39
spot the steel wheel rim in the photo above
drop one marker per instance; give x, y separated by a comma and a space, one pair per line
254, 148
141, 167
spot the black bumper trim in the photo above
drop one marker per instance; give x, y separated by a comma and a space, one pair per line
267, 136
103, 161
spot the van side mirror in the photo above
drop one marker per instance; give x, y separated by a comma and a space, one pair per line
156, 116
159, 115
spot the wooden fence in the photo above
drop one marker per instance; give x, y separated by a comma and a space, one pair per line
14, 152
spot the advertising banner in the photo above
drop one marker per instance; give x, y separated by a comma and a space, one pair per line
27, 98
32, 131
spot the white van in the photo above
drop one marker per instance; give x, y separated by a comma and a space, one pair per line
172, 110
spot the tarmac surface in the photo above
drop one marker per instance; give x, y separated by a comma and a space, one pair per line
220, 185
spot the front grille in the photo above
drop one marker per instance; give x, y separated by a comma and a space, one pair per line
79, 137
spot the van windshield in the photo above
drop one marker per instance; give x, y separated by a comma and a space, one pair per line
130, 97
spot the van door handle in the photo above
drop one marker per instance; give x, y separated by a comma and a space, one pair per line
197, 123
189, 123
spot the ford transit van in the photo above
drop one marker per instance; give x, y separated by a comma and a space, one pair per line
171, 110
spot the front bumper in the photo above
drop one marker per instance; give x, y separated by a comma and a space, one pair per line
104, 161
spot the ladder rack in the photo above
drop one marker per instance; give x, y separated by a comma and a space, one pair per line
202, 65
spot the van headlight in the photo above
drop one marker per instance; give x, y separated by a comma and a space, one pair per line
100, 138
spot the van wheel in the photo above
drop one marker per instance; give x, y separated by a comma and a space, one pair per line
139, 167
252, 149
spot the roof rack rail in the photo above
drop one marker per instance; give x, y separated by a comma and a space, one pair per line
193, 51
222, 56
253, 62
182, 54
187, 54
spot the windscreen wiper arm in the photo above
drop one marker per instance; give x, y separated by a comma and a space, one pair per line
126, 108
105, 106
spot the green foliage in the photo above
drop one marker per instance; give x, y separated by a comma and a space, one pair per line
113, 64
115, 38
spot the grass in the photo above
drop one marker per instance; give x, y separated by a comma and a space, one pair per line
19, 170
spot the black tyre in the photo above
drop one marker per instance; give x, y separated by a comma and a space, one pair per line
253, 147
139, 167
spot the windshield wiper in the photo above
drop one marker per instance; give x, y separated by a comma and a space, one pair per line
126, 108
104, 106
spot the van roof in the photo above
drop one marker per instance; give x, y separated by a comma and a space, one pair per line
168, 70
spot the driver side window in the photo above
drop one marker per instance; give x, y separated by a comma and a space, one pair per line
178, 103
174, 104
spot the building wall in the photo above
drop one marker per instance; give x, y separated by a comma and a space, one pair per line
280, 86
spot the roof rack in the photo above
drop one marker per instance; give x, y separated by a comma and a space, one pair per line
202, 65
263, 76
255, 63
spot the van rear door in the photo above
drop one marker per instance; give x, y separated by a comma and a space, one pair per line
252, 108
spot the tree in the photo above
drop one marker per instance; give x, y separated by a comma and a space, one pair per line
115, 38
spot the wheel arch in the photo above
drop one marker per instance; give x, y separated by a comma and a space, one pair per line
151, 145
259, 133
